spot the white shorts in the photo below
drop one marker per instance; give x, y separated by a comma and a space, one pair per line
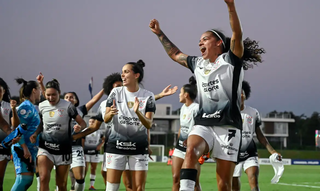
104, 164
223, 142
92, 158
77, 157
57, 160
250, 162
178, 153
119, 162
4, 157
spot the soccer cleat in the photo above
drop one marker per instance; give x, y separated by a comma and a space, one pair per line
92, 188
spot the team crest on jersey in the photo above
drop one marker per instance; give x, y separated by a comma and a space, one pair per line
206, 72
249, 119
60, 111
141, 104
130, 104
51, 113
184, 116
6, 111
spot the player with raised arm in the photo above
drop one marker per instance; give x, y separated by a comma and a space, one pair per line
219, 73
25, 152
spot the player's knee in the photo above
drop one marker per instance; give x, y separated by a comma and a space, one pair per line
223, 185
235, 184
253, 180
176, 178
112, 186
62, 184
140, 188
44, 178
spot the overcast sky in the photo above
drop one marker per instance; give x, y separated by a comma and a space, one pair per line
76, 39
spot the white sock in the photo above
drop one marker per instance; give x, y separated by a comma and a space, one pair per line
79, 187
187, 185
57, 188
38, 184
92, 179
112, 186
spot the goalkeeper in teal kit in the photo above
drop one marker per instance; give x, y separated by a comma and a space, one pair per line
24, 152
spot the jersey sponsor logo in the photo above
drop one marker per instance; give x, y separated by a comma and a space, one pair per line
130, 104
212, 115
210, 86
51, 113
124, 120
52, 146
53, 126
246, 134
126, 145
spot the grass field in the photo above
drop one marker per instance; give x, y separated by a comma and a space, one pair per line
295, 178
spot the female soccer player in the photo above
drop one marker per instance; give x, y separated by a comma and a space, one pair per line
131, 110
219, 75
56, 139
24, 152
78, 160
188, 94
6, 113
91, 146
248, 158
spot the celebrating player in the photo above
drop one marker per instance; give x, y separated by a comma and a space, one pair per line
219, 75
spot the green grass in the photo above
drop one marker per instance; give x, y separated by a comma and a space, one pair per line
159, 178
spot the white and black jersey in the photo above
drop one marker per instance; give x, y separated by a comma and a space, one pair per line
6, 114
219, 89
82, 111
187, 114
56, 137
251, 120
108, 126
128, 136
91, 143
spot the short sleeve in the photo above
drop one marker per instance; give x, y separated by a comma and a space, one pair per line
192, 62
151, 105
232, 59
111, 97
72, 111
24, 112
83, 109
258, 119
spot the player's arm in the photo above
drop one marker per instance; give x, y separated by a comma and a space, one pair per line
82, 141
94, 100
15, 121
146, 119
100, 145
40, 78
80, 122
173, 52
236, 44
33, 137
87, 131
111, 110
167, 91
263, 140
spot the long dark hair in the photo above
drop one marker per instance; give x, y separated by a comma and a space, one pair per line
6, 96
252, 51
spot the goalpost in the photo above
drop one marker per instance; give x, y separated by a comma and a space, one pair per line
158, 151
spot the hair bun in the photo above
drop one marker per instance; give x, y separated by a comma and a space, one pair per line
21, 81
56, 81
192, 80
141, 63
